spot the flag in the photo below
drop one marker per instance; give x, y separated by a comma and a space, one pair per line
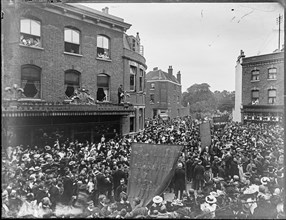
205, 134
152, 167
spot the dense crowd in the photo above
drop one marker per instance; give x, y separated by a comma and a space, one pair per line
240, 175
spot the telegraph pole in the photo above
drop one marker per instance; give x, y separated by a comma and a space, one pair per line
279, 20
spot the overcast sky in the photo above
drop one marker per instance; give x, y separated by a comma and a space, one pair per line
202, 40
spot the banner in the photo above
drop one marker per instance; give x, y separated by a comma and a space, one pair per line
220, 122
205, 133
152, 167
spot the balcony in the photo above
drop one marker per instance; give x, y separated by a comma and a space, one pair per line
13, 108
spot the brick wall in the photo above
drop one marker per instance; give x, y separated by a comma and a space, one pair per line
263, 63
52, 59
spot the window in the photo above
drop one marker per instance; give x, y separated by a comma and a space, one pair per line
141, 85
30, 32
132, 78
152, 85
140, 118
31, 81
272, 73
103, 87
72, 40
72, 82
103, 50
272, 96
255, 97
255, 75
132, 120
133, 44
152, 99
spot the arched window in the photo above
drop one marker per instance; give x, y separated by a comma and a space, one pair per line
72, 40
103, 47
103, 92
255, 75
31, 81
271, 96
72, 82
30, 32
272, 73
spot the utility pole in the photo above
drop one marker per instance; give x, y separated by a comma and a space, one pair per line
279, 20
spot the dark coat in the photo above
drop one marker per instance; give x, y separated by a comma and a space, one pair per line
179, 178
117, 176
199, 172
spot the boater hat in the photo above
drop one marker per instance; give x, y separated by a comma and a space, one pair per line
157, 199
264, 180
210, 199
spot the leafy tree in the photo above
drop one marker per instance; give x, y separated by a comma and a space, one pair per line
200, 98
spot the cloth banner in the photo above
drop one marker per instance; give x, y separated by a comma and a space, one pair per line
152, 167
205, 134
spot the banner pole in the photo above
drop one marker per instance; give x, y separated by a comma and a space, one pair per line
186, 173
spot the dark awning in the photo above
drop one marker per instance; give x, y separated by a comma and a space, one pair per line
46, 109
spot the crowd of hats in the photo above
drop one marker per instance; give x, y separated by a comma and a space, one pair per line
262, 185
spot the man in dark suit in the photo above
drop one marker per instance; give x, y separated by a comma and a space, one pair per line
199, 176
179, 181
117, 176
120, 94
121, 188
54, 192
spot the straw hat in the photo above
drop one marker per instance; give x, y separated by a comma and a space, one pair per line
157, 199
210, 199
264, 180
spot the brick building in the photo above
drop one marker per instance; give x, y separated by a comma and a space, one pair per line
163, 94
50, 52
260, 87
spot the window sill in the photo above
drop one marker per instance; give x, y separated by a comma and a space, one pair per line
32, 47
254, 80
272, 79
73, 54
30, 100
103, 59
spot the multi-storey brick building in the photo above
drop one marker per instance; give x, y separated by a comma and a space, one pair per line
163, 94
51, 52
260, 87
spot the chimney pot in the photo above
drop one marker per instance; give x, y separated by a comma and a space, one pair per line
155, 68
170, 71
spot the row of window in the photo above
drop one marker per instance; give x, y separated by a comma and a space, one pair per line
31, 82
31, 36
271, 96
272, 74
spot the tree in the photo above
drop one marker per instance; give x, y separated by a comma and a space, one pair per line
200, 98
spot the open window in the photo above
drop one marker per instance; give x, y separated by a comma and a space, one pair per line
30, 32
31, 81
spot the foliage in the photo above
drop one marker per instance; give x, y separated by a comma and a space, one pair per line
203, 101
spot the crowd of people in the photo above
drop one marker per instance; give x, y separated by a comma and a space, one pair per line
240, 175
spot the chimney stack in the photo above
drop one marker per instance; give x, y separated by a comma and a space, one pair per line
179, 77
170, 71
155, 68
105, 10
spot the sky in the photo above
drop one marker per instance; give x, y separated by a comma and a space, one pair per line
202, 40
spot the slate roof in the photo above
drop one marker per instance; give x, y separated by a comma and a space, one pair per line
160, 75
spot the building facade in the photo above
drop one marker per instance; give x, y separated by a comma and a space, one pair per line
62, 65
163, 94
262, 87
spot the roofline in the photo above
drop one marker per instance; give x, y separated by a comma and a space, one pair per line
98, 15
162, 80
